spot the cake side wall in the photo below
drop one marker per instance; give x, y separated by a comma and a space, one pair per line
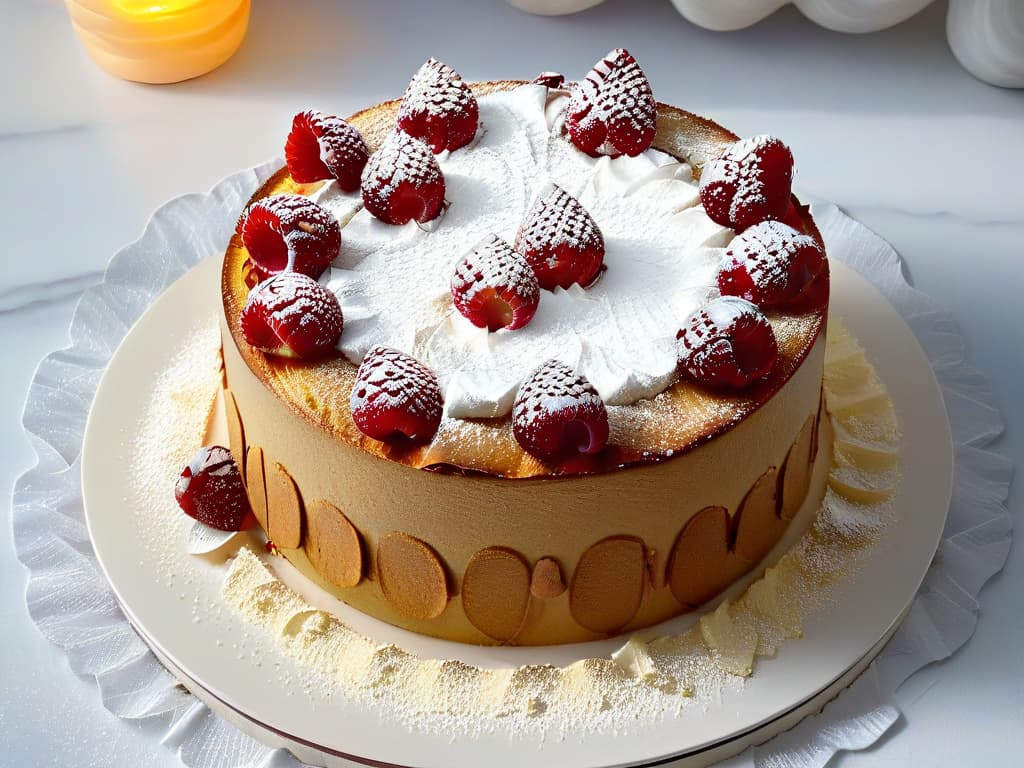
606, 540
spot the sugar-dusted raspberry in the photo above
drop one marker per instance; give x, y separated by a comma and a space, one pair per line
324, 147
558, 413
729, 343
560, 240
612, 110
770, 264
395, 397
749, 183
494, 287
549, 79
280, 229
402, 182
210, 490
292, 315
439, 108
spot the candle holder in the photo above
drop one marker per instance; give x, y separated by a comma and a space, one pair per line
159, 41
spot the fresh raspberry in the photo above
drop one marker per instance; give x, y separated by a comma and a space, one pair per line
402, 182
494, 286
210, 490
558, 413
749, 183
439, 108
770, 264
560, 240
323, 147
292, 315
283, 228
396, 397
729, 343
612, 110
549, 79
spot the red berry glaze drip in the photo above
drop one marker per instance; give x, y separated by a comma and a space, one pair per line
292, 315
561, 241
402, 182
439, 108
612, 110
749, 183
494, 286
770, 264
395, 397
558, 413
728, 344
324, 147
210, 490
283, 228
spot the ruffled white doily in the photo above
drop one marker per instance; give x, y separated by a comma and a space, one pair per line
70, 602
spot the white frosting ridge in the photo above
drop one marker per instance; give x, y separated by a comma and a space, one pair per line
662, 252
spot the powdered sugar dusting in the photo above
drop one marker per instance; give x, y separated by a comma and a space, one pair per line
777, 260
395, 391
612, 110
494, 264
292, 315
322, 146
553, 397
439, 108
403, 167
400, 158
661, 254
740, 184
556, 219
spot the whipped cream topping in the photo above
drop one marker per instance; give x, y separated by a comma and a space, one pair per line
662, 253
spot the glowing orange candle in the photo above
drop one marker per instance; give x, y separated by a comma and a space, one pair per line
159, 41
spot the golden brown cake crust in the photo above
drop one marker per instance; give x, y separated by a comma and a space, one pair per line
679, 419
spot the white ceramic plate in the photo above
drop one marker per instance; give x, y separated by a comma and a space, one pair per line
173, 599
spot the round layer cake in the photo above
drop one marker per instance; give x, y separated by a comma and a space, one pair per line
466, 535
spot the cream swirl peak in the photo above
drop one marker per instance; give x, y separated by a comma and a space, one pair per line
662, 254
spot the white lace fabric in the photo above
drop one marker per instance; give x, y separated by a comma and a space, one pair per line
71, 603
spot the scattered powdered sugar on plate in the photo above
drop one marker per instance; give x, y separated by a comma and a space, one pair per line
181, 408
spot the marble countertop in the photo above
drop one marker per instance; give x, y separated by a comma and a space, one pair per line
888, 126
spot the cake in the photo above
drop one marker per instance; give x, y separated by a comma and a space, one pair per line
526, 362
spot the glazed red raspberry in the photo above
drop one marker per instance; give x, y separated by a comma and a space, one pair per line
770, 264
494, 287
560, 240
612, 110
395, 397
439, 108
728, 344
292, 315
557, 413
210, 490
749, 183
283, 228
402, 182
325, 147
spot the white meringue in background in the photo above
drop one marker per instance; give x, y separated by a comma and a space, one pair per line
554, 7
986, 36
